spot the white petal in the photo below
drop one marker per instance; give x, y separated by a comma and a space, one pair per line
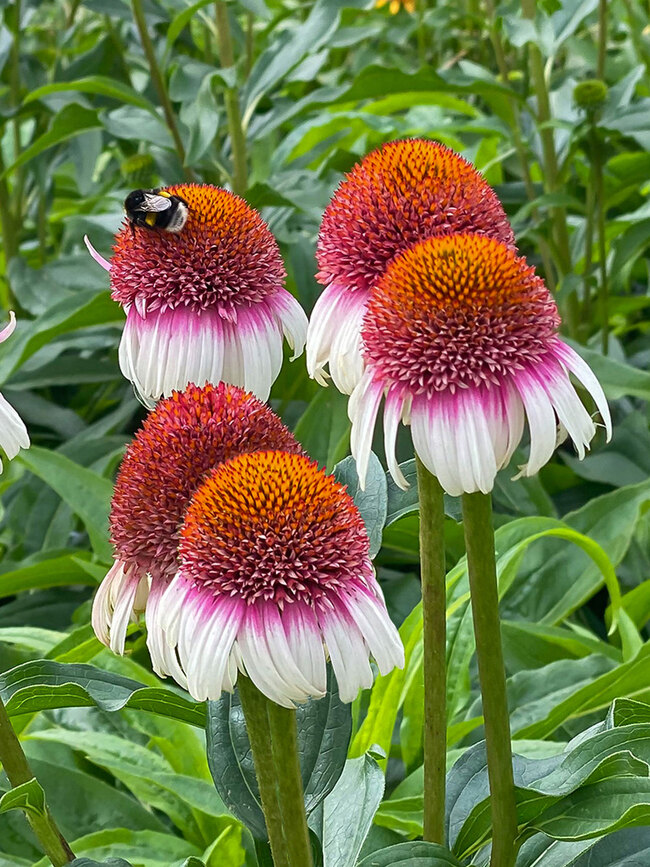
435, 443
541, 421
379, 632
13, 433
114, 605
392, 416
292, 318
322, 323
267, 658
348, 653
8, 330
363, 407
579, 367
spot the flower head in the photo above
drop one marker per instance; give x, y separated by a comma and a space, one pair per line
274, 572
204, 303
186, 436
13, 433
461, 337
403, 193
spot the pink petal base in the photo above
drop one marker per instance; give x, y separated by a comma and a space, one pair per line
334, 337
207, 640
120, 598
164, 350
465, 438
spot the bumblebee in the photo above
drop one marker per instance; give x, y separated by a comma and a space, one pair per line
155, 209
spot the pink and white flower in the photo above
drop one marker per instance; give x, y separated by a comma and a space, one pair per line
274, 576
402, 193
206, 303
460, 337
187, 435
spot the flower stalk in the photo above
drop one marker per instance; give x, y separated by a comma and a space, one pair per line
255, 707
284, 737
16, 767
434, 600
551, 167
481, 564
231, 98
159, 84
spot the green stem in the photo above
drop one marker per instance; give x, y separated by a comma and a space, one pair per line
434, 613
589, 246
255, 707
9, 240
551, 168
481, 564
520, 148
250, 42
16, 767
602, 244
231, 98
159, 83
284, 735
602, 39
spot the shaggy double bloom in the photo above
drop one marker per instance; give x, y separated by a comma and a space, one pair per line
244, 559
428, 305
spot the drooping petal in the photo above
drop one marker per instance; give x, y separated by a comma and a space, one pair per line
8, 330
120, 599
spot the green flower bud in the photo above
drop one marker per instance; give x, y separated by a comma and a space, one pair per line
590, 94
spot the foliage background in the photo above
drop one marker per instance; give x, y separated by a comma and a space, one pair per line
319, 84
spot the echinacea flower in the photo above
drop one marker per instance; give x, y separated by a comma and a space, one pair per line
460, 336
206, 303
13, 433
187, 435
275, 574
402, 193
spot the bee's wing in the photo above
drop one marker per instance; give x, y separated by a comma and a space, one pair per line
155, 203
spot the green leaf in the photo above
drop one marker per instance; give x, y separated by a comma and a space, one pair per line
628, 679
372, 502
324, 728
83, 310
88, 494
150, 848
52, 572
71, 121
98, 84
324, 430
599, 809
88, 862
345, 816
179, 22
28, 797
43, 684
414, 854
547, 789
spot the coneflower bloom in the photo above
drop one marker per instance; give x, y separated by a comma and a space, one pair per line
187, 435
206, 303
461, 337
275, 574
13, 433
400, 194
